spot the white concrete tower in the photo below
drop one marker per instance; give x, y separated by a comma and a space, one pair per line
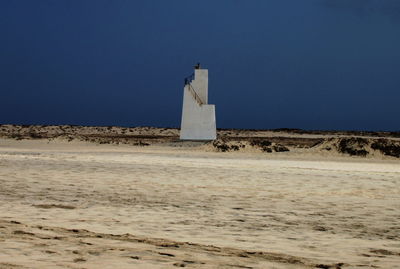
198, 117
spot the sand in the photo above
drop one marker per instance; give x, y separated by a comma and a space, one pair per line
82, 205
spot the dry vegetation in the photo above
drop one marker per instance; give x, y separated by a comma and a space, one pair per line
351, 143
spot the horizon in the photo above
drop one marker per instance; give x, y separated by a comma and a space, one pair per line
218, 129
309, 65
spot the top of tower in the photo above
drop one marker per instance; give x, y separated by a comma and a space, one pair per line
197, 66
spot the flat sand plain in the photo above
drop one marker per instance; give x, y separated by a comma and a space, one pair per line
81, 205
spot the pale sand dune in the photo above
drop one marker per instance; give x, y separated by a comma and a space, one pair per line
77, 205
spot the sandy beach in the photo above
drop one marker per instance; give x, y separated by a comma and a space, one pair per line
85, 205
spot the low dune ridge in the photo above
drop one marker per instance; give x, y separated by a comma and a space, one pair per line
352, 143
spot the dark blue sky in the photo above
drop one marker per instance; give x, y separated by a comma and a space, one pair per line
310, 64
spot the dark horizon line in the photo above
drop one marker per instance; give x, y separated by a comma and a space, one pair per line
293, 130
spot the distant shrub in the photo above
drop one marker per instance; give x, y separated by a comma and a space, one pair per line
235, 147
141, 144
264, 145
222, 146
353, 146
35, 135
386, 147
280, 148
16, 136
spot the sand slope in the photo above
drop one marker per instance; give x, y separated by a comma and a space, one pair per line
77, 205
